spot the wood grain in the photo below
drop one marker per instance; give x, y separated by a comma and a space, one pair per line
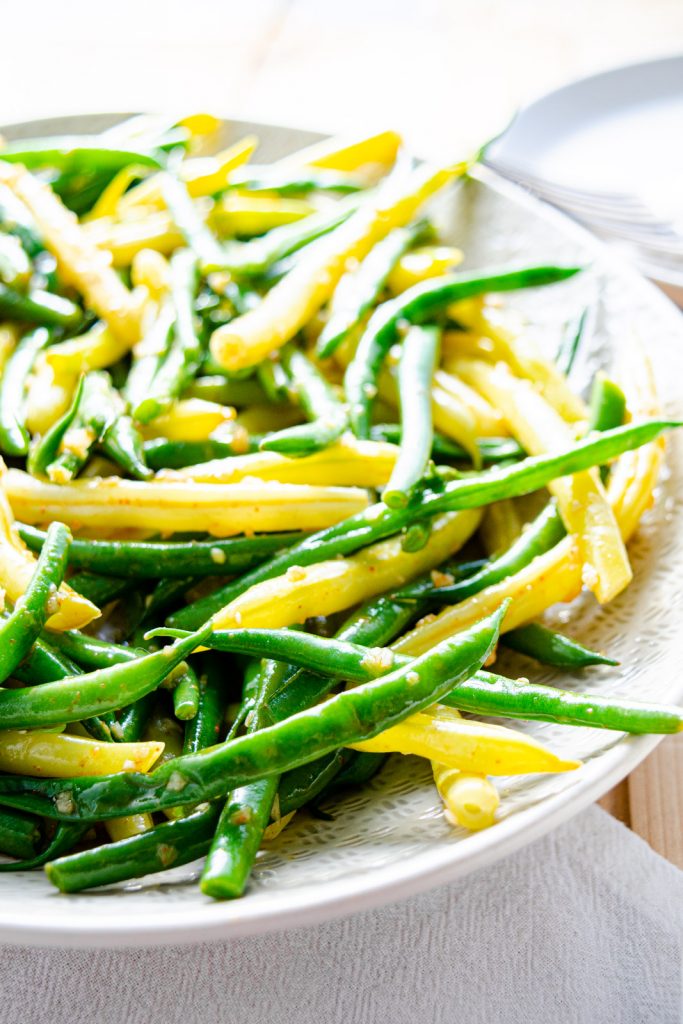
650, 800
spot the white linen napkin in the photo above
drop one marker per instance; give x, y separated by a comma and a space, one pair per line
585, 926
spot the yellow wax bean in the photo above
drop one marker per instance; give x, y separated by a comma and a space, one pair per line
264, 419
422, 264
132, 825
340, 583
236, 214
514, 345
202, 175
190, 419
294, 300
97, 349
81, 263
17, 565
466, 745
451, 416
8, 339
339, 154
470, 800
347, 463
556, 576
489, 421
48, 397
108, 200
150, 270
63, 756
549, 579
218, 509
501, 526
122, 241
276, 827
634, 475
581, 498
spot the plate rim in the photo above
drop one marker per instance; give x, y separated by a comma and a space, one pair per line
210, 921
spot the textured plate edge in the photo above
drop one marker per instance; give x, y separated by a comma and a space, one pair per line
211, 921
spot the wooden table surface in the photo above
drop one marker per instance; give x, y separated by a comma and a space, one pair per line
443, 71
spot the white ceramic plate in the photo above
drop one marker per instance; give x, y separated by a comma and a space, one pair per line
390, 840
618, 130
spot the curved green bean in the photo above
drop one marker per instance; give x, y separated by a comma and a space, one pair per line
158, 559
328, 416
347, 718
22, 627
360, 288
72, 700
474, 491
416, 305
186, 351
38, 307
419, 354
552, 648
14, 437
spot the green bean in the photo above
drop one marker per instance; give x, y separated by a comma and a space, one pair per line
342, 659
133, 720
488, 694
285, 691
419, 354
91, 651
19, 630
150, 355
240, 393
274, 381
72, 700
303, 784
186, 695
357, 772
361, 287
185, 354
347, 718
204, 730
99, 590
474, 491
491, 449
608, 405
328, 416
16, 219
256, 256
416, 305
570, 344
246, 811
74, 154
14, 437
20, 834
38, 307
44, 664
540, 536
299, 182
96, 415
156, 559
551, 648
166, 595
122, 442
45, 451
161, 453
190, 223
168, 845
65, 837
